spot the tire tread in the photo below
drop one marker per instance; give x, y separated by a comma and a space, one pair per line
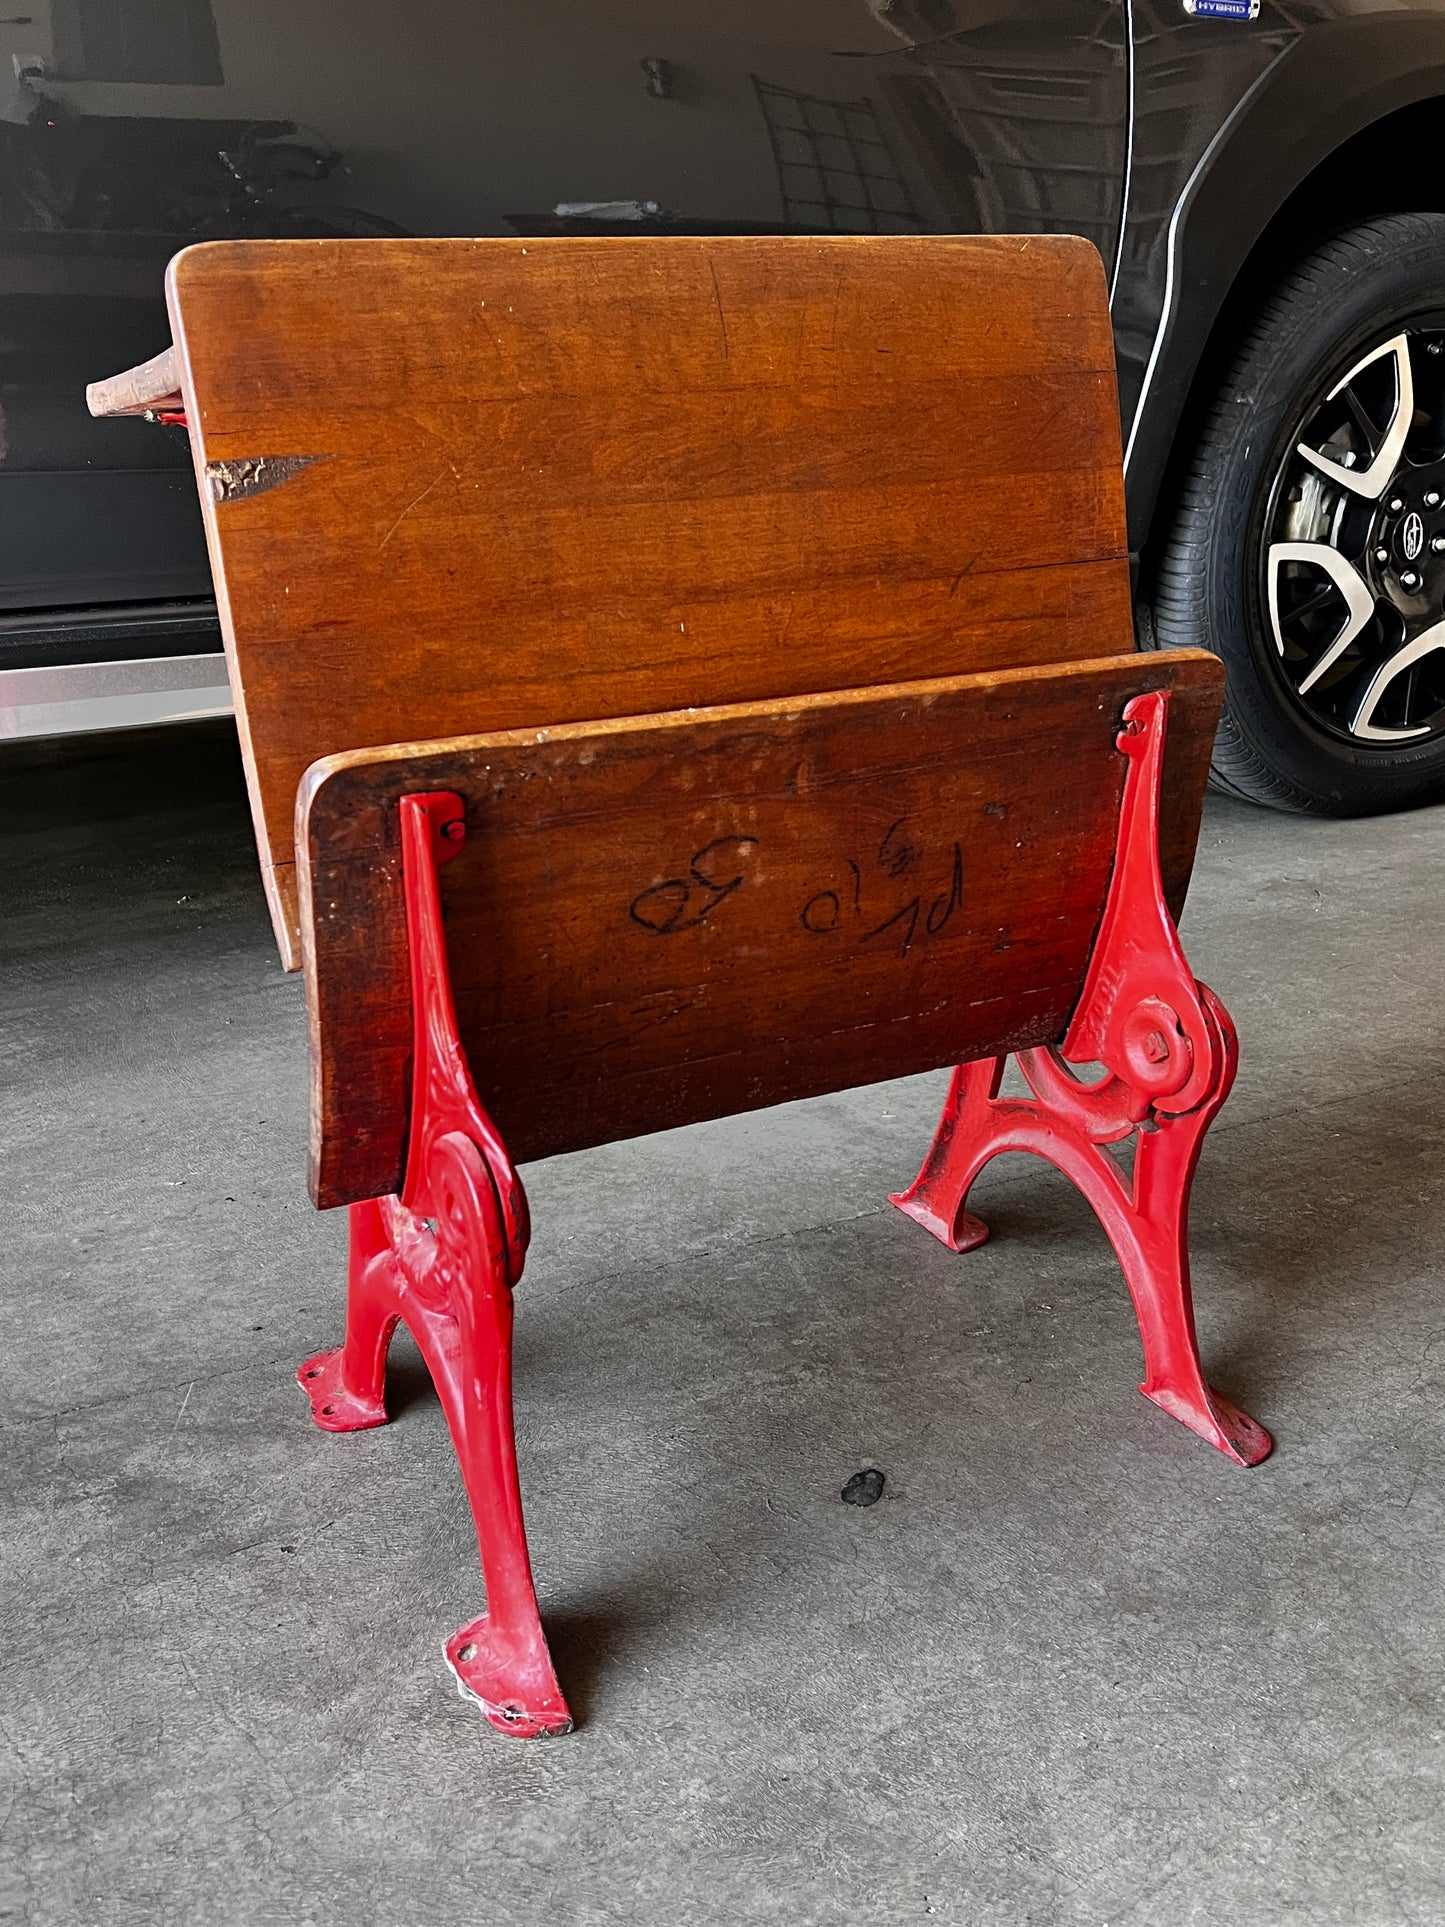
1183, 611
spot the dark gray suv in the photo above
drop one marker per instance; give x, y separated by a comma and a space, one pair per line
1264, 182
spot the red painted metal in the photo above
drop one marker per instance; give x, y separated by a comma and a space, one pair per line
1169, 1055
444, 1257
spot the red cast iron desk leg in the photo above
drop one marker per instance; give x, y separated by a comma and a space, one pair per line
1169, 1053
444, 1257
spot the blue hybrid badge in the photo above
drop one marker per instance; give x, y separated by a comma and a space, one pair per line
1223, 9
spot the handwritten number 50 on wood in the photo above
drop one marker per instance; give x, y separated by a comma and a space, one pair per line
684, 902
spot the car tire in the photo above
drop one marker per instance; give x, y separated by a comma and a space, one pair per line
1363, 734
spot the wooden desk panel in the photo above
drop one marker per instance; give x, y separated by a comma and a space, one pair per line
660, 919
458, 486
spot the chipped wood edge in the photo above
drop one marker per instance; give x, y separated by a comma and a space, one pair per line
769, 708
155, 384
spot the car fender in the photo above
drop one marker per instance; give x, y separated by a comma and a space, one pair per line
1329, 85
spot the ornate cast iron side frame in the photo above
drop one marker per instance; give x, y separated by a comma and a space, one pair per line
1169, 1053
446, 1254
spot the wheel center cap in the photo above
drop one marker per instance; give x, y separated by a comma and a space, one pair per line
1407, 539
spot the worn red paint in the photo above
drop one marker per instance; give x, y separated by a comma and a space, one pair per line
444, 1257
1169, 1053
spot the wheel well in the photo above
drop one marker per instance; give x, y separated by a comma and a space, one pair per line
1394, 166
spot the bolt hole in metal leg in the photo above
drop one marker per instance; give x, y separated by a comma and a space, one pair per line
1353, 560
467, 1653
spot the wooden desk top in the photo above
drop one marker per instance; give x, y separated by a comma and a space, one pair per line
464, 486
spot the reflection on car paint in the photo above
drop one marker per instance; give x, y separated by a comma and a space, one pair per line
129, 128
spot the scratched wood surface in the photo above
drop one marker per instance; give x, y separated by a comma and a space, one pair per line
660, 919
454, 486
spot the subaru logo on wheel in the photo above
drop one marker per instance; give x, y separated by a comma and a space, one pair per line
1412, 536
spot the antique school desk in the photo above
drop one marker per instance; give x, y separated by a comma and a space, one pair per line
677, 676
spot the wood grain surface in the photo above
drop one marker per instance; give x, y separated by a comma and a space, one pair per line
461, 486
660, 919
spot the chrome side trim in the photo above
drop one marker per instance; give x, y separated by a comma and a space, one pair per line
1181, 207
1128, 182
81, 697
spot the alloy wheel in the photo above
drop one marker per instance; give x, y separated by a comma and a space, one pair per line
1353, 556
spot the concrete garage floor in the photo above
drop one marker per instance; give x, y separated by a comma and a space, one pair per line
1076, 1668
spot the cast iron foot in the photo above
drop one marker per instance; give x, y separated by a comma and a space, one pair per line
333, 1407
518, 1692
